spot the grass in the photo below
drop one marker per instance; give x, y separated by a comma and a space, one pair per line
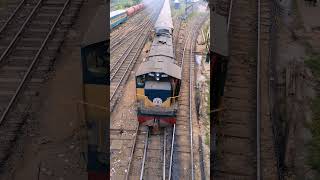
313, 62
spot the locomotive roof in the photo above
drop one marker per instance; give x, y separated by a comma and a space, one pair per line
98, 30
161, 46
117, 12
156, 65
164, 19
220, 40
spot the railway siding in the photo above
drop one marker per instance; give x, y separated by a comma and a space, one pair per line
23, 68
268, 156
237, 129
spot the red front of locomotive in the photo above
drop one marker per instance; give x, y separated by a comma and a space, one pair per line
162, 121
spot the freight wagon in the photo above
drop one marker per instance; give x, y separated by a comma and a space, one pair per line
120, 16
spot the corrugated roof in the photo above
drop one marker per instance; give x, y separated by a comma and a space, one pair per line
161, 66
116, 12
98, 29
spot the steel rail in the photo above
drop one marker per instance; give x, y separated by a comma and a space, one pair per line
12, 15
229, 16
174, 126
144, 155
19, 32
132, 151
124, 58
128, 35
190, 106
171, 153
127, 51
124, 74
125, 55
34, 61
258, 96
115, 43
164, 155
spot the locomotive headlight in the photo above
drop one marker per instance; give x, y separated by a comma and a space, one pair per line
157, 74
157, 78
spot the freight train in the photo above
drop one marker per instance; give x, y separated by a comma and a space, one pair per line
158, 77
120, 16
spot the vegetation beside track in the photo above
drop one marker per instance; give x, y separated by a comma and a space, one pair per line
177, 12
122, 4
313, 62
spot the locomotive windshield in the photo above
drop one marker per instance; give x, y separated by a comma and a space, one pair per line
96, 62
157, 92
140, 81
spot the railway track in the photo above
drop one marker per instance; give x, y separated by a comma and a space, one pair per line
123, 30
29, 40
244, 133
120, 68
182, 152
119, 48
150, 157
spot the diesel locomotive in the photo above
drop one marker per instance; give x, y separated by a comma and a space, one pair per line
95, 75
158, 77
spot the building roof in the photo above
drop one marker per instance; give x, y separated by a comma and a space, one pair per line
99, 28
117, 12
160, 66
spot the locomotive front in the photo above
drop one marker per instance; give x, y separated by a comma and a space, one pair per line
158, 78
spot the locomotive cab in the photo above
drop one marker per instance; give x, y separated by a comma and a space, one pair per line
95, 76
157, 93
